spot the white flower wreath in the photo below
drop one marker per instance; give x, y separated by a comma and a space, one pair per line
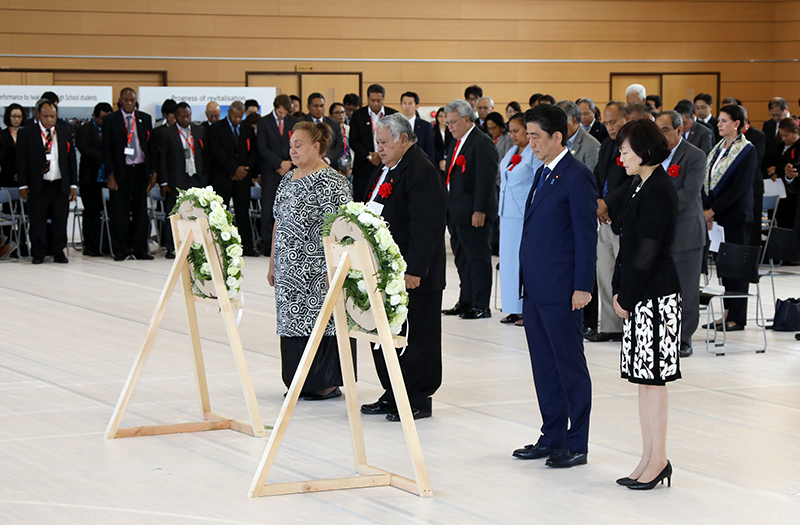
225, 235
391, 265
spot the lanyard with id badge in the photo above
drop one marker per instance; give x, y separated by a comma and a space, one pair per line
130, 151
188, 153
48, 144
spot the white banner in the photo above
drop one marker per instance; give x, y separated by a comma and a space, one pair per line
151, 98
75, 105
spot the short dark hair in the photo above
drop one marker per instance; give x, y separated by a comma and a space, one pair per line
473, 90
333, 106
534, 99
705, 97
252, 118
314, 95
250, 102
514, 105
550, 118
547, 99
123, 90
410, 94
351, 99
497, 118
7, 116
655, 100
42, 102
183, 105
789, 124
622, 107
646, 141
102, 107
685, 107
518, 116
376, 88
52, 97
777, 102
295, 97
731, 100
169, 107
282, 101
736, 113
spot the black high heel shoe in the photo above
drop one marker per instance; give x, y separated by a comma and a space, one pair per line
626, 481
665, 474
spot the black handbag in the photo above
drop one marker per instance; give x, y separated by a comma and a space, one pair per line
787, 315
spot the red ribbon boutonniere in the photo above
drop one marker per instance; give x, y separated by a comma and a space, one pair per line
619, 162
674, 170
792, 154
68, 149
201, 143
290, 134
461, 161
515, 159
385, 189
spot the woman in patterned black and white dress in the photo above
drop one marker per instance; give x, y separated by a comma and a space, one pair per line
297, 266
647, 292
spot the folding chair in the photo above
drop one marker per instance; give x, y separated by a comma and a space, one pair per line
156, 212
255, 213
77, 220
105, 226
737, 262
23, 224
10, 221
770, 203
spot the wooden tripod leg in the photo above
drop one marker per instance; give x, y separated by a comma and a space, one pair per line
177, 267
334, 292
396, 378
194, 330
233, 332
348, 369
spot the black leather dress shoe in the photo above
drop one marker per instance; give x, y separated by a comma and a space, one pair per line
378, 407
566, 459
602, 337
37, 260
251, 253
458, 309
418, 414
477, 313
60, 258
686, 351
313, 396
143, 257
536, 451
170, 255
589, 332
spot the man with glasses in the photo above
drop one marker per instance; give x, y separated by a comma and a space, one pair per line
702, 110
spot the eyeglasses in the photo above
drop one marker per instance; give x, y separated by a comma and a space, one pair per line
451, 123
338, 112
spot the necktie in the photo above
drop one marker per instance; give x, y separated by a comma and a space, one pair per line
587, 128
236, 131
134, 138
48, 149
540, 182
453, 161
280, 126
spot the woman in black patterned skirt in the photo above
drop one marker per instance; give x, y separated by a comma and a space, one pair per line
297, 267
647, 293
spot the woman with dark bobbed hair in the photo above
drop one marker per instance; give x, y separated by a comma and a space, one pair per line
728, 199
14, 119
496, 127
647, 293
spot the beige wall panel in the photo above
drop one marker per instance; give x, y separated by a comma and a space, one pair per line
286, 84
333, 87
678, 87
620, 83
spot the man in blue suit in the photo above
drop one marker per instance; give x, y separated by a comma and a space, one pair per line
557, 264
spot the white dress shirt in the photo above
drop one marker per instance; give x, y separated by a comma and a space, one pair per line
375, 117
55, 170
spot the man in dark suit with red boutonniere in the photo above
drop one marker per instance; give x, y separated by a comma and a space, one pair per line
686, 165
470, 177
407, 190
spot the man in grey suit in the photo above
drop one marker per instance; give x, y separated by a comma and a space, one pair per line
695, 134
583, 146
686, 165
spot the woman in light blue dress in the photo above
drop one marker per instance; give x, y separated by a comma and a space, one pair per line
517, 169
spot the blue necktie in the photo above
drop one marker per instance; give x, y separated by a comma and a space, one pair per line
540, 181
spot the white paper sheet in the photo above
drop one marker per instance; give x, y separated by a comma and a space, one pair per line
717, 236
774, 187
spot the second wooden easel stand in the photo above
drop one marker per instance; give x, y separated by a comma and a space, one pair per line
357, 256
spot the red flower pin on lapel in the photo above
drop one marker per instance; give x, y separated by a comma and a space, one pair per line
461, 161
515, 159
674, 170
385, 189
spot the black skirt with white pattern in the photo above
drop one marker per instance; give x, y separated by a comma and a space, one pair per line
651, 341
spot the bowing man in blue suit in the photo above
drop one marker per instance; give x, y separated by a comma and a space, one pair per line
557, 264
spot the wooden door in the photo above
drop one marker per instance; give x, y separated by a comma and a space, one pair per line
284, 84
333, 86
687, 86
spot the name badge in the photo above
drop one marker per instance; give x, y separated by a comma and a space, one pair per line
49, 156
130, 151
187, 153
375, 206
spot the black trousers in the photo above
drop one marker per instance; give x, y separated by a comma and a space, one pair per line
49, 203
269, 187
239, 191
325, 372
92, 220
421, 361
737, 233
473, 256
130, 227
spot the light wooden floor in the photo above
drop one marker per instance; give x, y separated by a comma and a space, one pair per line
70, 333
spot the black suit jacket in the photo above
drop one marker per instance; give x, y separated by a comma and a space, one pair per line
424, 132
31, 161
701, 137
644, 268
416, 211
473, 187
759, 140
172, 159
712, 125
273, 148
90, 144
228, 153
733, 202
8, 159
441, 144
619, 182
115, 140
773, 144
336, 148
598, 131
362, 144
